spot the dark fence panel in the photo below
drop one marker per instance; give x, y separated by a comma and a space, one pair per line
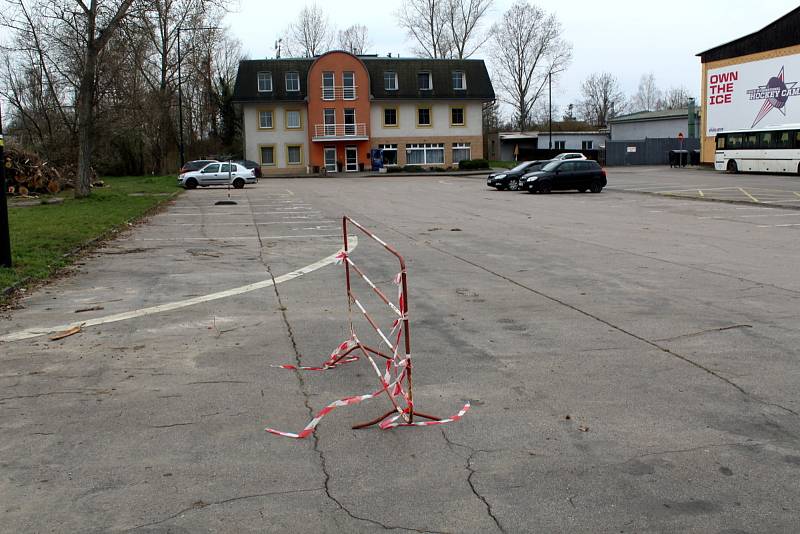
648, 151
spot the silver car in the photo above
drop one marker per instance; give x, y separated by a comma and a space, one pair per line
218, 174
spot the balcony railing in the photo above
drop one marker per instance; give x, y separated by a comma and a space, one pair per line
340, 131
339, 92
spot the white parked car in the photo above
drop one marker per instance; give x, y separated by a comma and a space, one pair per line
570, 155
218, 174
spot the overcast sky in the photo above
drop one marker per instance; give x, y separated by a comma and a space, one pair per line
625, 37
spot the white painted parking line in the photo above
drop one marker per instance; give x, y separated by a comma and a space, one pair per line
172, 306
777, 225
242, 214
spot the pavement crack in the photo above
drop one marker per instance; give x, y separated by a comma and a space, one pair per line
172, 425
199, 505
471, 473
707, 331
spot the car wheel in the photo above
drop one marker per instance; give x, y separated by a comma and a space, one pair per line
545, 188
733, 168
191, 183
596, 187
513, 185
238, 183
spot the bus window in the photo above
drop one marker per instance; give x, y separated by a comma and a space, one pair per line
797, 139
765, 140
735, 140
750, 141
720, 142
782, 140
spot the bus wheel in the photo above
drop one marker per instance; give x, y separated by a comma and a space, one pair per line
732, 167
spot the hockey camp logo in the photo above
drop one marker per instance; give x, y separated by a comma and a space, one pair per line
775, 93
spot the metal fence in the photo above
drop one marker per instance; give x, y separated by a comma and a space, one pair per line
646, 152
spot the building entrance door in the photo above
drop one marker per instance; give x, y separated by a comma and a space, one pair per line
330, 158
351, 159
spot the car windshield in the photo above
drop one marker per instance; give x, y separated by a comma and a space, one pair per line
553, 165
520, 167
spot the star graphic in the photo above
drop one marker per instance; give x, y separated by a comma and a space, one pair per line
769, 103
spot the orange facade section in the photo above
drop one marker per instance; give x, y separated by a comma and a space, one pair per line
338, 112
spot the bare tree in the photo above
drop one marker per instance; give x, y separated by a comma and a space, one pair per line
648, 96
464, 18
310, 34
355, 39
527, 48
602, 98
425, 22
675, 98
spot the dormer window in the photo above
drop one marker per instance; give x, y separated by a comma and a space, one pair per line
292, 81
390, 80
424, 81
459, 80
264, 82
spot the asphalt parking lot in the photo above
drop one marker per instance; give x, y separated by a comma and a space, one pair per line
631, 361
709, 185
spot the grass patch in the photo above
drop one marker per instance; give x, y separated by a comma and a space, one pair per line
503, 164
42, 235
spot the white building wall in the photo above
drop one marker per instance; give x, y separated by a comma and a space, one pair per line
440, 110
279, 136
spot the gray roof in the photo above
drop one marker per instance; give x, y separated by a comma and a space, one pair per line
652, 115
780, 33
479, 86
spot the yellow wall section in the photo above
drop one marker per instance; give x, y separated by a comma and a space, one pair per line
707, 146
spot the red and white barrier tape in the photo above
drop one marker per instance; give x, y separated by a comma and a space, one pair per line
395, 368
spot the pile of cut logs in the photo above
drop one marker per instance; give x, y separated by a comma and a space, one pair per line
27, 173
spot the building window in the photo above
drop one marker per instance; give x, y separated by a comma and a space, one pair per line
461, 152
424, 117
264, 82
293, 120
329, 117
459, 80
349, 121
294, 155
560, 145
265, 119
292, 81
328, 92
349, 85
267, 155
587, 145
456, 116
390, 80
425, 154
390, 117
424, 81
389, 154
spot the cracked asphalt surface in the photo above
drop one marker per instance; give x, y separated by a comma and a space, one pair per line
631, 362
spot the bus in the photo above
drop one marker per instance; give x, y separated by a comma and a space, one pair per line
775, 149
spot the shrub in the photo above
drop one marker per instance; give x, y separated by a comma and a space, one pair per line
473, 164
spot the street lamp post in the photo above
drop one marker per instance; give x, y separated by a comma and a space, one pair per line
5, 231
550, 96
180, 88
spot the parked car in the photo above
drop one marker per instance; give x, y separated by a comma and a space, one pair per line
195, 165
510, 179
583, 175
570, 155
218, 174
252, 165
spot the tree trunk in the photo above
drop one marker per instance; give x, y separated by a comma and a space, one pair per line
83, 182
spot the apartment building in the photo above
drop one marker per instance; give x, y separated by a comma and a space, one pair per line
330, 111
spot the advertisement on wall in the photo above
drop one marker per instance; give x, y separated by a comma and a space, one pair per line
759, 94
